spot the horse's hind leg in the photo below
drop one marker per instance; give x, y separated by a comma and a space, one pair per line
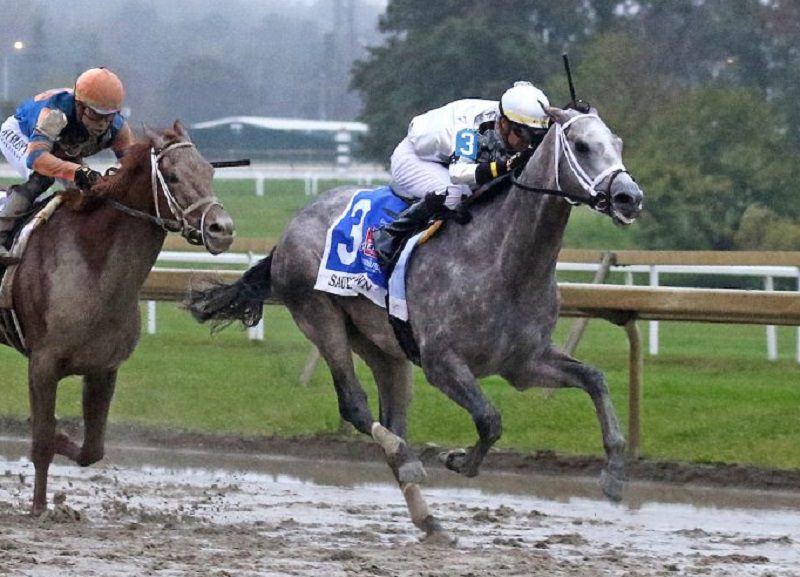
450, 375
556, 369
42, 386
324, 325
393, 378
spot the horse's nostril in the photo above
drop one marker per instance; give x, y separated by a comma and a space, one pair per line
624, 199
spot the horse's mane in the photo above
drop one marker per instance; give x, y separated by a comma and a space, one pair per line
498, 188
135, 158
118, 184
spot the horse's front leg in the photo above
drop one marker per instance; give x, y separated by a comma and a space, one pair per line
555, 369
98, 390
42, 386
452, 376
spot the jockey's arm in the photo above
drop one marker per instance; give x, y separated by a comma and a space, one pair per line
49, 125
123, 140
463, 172
476, 173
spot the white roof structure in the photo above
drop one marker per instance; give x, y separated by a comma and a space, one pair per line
289, 124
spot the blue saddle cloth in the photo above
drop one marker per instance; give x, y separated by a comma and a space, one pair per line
349, 264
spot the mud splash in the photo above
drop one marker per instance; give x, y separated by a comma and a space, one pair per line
148, 511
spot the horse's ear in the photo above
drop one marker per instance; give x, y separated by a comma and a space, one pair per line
155, 138
180, 130
557, 114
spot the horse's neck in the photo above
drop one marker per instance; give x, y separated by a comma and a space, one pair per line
535, 221
134, 188
111, 234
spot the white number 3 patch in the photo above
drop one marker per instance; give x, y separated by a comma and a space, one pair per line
467, 144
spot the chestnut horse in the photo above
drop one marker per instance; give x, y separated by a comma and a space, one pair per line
76, 289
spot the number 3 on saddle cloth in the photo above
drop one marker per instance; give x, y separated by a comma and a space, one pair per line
349, 265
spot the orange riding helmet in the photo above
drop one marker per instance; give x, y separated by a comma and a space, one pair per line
101, 90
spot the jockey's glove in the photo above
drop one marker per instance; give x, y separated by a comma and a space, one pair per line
519, 159
85, 178
488, 171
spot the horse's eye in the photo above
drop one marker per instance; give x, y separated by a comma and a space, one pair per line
581, 146
173, 178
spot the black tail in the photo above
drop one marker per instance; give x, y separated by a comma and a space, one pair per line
222, 304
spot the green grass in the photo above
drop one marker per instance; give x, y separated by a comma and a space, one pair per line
265, 217
710, 395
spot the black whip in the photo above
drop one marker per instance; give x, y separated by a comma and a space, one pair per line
230, 163
569, 77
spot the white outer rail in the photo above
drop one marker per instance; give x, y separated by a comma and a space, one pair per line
768, 273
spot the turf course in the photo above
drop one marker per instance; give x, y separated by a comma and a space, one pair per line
709, 396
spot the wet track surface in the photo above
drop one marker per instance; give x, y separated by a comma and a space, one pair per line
146, 511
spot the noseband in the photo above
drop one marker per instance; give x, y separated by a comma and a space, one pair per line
599, 200
179, 223
190, 233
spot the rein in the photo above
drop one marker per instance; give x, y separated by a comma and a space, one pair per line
598, 200
179, 223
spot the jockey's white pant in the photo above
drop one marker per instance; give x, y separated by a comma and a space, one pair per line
14, 146
413, 177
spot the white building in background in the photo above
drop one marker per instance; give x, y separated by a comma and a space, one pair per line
285, 140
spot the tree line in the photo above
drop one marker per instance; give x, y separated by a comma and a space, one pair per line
703, 92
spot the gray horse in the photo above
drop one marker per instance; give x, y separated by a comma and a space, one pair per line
482, 300
76, 290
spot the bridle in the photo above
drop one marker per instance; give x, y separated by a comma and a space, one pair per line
179, 222
599, 200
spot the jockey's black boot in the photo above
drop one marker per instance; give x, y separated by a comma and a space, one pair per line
17, 204
388, 240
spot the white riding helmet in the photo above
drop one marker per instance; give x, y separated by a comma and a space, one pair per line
523, 104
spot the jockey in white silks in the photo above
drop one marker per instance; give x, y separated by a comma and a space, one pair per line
451, 151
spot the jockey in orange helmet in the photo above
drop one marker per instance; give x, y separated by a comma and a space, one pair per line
49, 136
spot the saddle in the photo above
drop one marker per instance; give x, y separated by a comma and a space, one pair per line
12, 243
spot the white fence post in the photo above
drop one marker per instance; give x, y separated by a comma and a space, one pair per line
151, 317
772, 332
255, 333
653, 327
259, 186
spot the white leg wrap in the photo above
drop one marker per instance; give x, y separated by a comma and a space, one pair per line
385, 438
415, 502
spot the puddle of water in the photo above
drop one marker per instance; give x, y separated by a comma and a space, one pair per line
566, 514
639, 495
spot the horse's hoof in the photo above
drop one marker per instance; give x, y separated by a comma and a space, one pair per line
63, 445
440, 539
435, 534
412, 472
612, 486
38, 510
454, 460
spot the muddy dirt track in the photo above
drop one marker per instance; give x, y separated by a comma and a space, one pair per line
178, 505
